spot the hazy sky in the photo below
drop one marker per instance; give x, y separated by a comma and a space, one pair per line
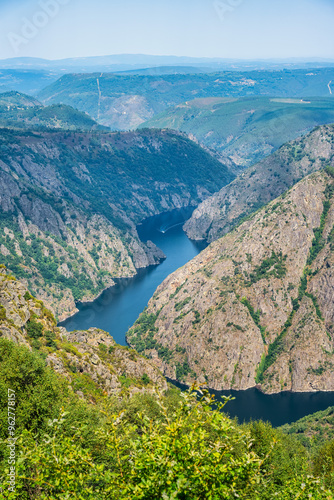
56, 29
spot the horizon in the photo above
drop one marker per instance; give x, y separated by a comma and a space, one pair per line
304, 59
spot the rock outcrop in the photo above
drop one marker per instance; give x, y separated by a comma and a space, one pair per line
91, 360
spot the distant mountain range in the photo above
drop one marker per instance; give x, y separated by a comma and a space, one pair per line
124, 62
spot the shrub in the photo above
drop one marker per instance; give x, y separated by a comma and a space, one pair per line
2, 313
34, 329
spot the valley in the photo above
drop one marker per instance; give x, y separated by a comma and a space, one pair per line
118, 307
71, 201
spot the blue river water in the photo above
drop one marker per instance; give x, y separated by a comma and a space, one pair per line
117, 309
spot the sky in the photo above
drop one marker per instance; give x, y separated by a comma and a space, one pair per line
237, 29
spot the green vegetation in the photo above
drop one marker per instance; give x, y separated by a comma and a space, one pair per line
237, 327
141, 336
264, 124
145, 379
145, 325
330, 171
319, 241
180, 305
180, 446
272, 266
255, 316
313, 431
34, 329
2, 313
197, 318
159, 92
316, 305
20, 111
183, 370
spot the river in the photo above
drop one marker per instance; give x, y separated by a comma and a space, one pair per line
117, 309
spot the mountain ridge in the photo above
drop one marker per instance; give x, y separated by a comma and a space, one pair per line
124, 102
261, 183
19, 110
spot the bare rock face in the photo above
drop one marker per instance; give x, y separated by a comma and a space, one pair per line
261, 184
12, 299
91, 360
256, 307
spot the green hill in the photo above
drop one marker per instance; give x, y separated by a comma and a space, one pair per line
22, 111
313, 430
14, 99
126, 101
246, 129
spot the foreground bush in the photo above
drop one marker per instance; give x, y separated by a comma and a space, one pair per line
148, 447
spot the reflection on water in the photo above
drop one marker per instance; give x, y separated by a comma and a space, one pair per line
117, 308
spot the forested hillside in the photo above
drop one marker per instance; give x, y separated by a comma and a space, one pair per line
94, 420
20, 111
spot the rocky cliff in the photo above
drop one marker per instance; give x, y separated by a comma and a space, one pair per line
255, 307
70, 203
91, 360
262, 183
